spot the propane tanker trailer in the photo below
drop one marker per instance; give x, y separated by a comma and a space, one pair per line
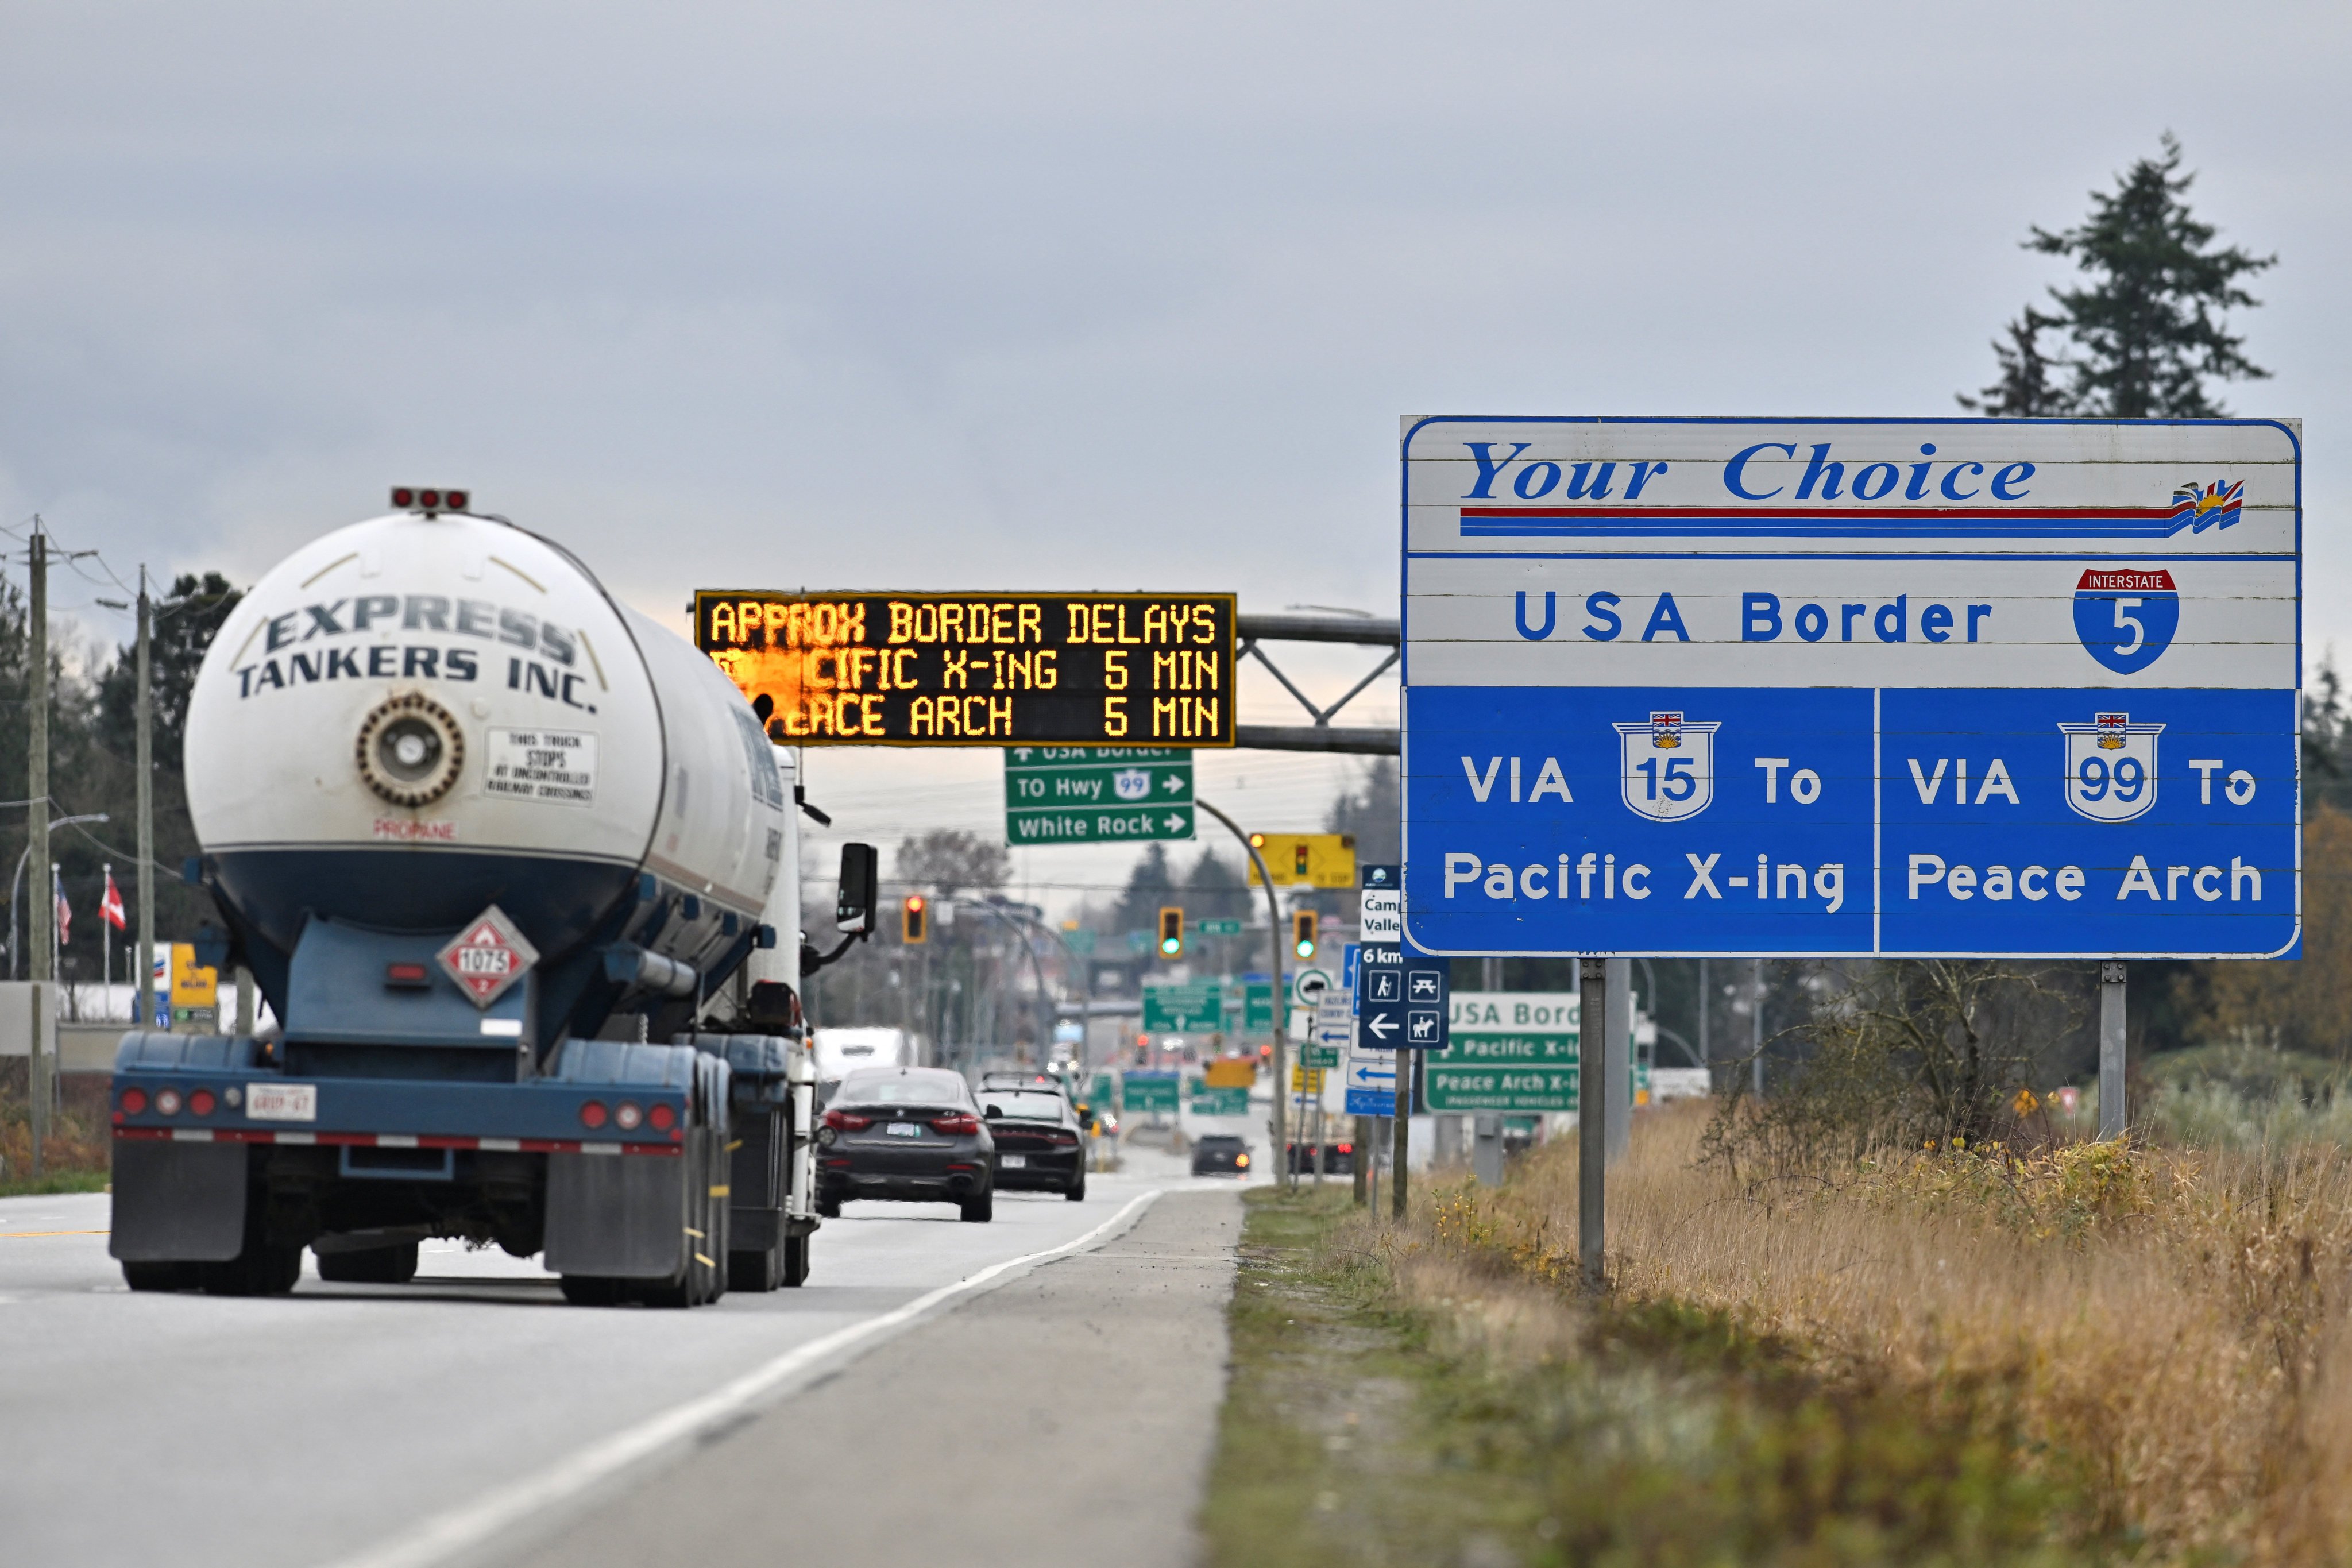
510, 864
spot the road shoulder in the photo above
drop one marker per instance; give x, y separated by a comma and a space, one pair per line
1068, 1416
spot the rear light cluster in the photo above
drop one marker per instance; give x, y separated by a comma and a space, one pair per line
962, 1123
169, 1102
428, 498
1065, 1140
843, 1121
626, 1117
406, 978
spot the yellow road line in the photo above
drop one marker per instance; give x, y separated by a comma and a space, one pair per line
13, 1235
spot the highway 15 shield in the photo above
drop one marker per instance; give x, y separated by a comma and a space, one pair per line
2125, 619
2111, 767
1669, 765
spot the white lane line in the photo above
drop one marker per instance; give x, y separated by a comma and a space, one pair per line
462, 1529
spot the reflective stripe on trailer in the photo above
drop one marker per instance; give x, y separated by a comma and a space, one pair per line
394, 1140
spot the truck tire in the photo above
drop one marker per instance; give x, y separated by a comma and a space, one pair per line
261, 1270
376, 1265
161, 1276
795, 1250
592, 1290
980, 1207
701, 1279
762, 1270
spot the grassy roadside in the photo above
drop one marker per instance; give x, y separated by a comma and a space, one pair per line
1392, 1404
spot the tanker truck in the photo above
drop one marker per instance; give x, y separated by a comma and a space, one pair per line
518, 871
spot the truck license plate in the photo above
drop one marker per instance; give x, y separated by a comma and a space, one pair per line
905, 1130
1013, 1162
282, 1101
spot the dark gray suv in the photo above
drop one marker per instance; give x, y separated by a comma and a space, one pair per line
912, 1133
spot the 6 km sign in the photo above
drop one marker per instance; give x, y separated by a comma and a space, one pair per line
1853, 687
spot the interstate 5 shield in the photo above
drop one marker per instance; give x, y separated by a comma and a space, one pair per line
1853, 687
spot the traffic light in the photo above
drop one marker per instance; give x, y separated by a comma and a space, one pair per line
913, 921
1298, 861
1302, 931
1172, 932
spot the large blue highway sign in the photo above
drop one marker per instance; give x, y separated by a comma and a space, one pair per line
1853, 687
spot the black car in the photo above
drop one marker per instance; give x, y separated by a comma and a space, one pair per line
1220, 1154
912, 1133
1339, 1159
1038, 1140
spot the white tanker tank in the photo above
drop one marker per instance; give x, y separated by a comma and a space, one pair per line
492, 844
419, 716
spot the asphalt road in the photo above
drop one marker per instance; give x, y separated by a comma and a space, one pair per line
466, 1416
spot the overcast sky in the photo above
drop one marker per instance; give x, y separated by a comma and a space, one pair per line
1058, 295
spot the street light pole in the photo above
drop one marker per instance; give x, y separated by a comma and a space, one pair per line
145, 709
1284, 1172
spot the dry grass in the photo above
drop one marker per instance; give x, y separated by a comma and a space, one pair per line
2165, 1337
76, 1154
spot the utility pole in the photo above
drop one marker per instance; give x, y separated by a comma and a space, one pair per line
44, 911
145, 708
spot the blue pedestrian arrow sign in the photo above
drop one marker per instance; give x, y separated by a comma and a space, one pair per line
1400, 1003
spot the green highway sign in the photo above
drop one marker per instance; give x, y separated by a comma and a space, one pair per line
1499, 1088
1195, 1007
1258, 1006
1218, 928
1096, 795
1081, 943
1149, 1091
1314, 1055
1506, 1051
1209, 1101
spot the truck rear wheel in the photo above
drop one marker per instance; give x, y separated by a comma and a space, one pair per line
376, 1265
261, 1270
161, 1276
592, 1290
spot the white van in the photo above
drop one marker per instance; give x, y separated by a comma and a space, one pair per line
841, 1051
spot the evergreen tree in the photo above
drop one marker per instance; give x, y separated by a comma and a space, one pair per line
2147, 325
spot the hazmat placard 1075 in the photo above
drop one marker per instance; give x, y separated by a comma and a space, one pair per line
978, 669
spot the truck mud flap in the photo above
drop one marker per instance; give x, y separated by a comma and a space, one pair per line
178, 1202
618, 1217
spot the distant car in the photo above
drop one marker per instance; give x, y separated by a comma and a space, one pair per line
1339, 1159
1220, 1154
1039, 1142
910, 1133
1041, 1082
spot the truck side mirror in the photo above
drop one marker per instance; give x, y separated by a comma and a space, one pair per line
860, 888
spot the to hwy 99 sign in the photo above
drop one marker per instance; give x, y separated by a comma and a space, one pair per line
978, 669
1842, 687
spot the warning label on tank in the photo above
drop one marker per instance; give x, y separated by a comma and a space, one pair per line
556, 766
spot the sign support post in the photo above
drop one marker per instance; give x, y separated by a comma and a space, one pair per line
1401, 1136
1594, 1090
2113, 1111
1617, 1041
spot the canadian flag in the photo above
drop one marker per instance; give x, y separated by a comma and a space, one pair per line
65, 910
109, 907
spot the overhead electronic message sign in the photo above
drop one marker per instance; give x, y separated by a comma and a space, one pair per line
978, 669
1851, 686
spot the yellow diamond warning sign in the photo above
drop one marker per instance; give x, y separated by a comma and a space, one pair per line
487, 956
